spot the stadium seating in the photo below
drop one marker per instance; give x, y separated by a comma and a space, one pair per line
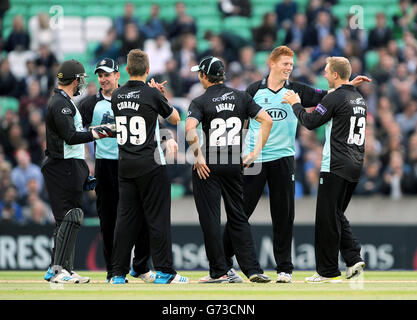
203, 10
168, 13
260, 9
321, 83
96, 27
261, 59
371, 59
123, 74
86, 22
238, 25
208, 23
202, 45
8, 103
71, 35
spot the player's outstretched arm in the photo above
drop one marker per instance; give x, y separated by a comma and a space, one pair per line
103, 131
356, 82
266, 124
64, 121
319, 116
157, 85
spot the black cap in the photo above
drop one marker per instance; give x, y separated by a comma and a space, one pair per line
70, 70
107, 65
210, 65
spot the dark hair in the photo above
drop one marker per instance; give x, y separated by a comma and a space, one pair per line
65, 82
214, 79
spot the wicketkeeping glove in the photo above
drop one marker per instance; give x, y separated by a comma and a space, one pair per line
90, 183
104, 131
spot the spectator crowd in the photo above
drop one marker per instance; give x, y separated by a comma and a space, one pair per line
387, 53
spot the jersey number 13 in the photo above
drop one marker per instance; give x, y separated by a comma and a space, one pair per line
357, 138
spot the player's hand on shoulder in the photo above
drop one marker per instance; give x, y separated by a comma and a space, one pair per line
359, 80
291, 97
103, 131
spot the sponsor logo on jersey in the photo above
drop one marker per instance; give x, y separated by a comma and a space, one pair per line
360, 101
66, 111
321, 109
277, 114
129, 95
224, 97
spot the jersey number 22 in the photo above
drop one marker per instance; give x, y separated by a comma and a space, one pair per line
218, 127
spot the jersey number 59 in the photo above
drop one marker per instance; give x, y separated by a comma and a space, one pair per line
135, 131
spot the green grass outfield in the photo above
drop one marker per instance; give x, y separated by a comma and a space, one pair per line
391, 285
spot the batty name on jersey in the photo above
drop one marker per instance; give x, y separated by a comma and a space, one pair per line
359, 110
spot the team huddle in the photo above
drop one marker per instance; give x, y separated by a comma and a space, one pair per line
132, 184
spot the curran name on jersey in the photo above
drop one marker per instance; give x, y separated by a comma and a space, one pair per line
128, 105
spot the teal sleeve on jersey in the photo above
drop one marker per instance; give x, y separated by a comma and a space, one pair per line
75, 151
158, 142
